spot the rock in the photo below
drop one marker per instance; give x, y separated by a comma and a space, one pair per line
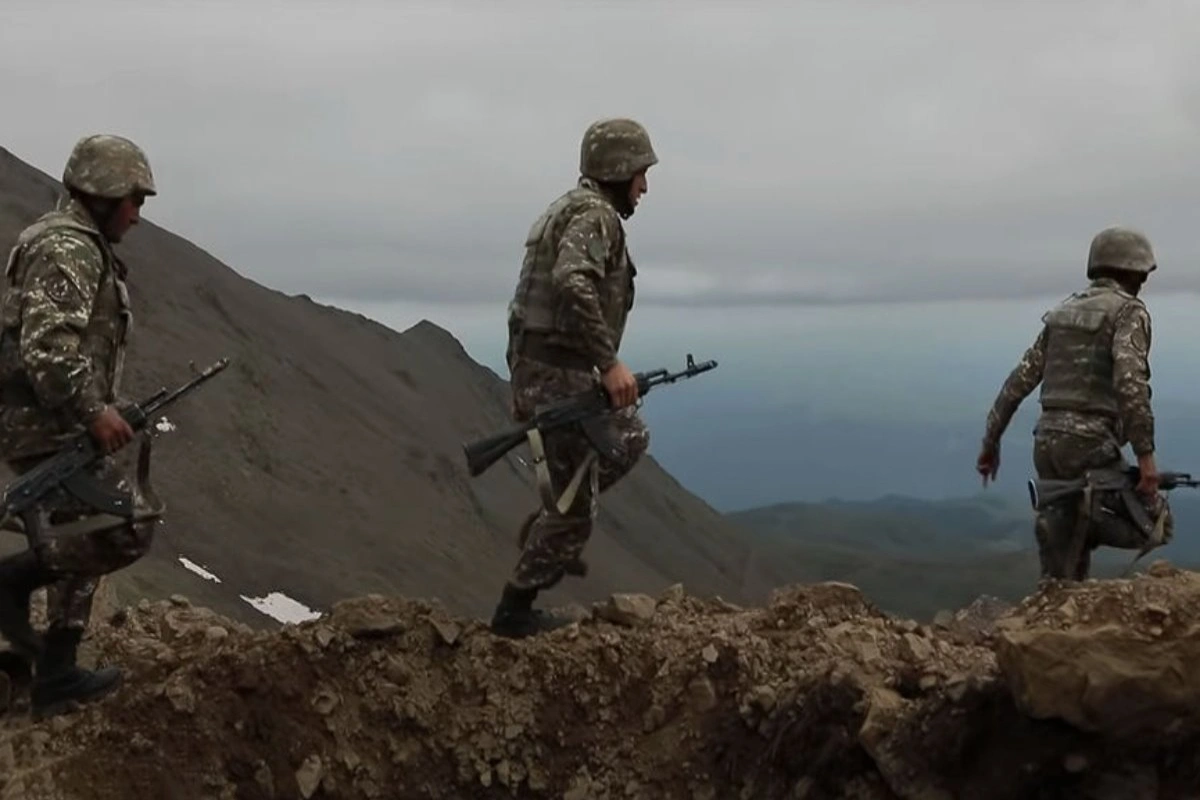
180, 601
308, 777
628, 609
917, 647
672, 594
325, 701
709, 654
1162, 569
1104, 677
956, 687
364, 619
181, 697
885, 708
764, 697
215, 633
943, 619
447, 631
323, 635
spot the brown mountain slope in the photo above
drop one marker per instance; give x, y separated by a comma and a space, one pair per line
326, 462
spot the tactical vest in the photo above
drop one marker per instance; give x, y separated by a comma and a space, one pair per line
535, 306
1078, 373
27, 428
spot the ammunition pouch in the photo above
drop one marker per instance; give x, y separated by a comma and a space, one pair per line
1118, 517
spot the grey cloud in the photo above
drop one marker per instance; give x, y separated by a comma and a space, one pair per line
811, 153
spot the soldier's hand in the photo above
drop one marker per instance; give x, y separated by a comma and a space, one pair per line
111, 430
1148, 475
988, 464
621, 385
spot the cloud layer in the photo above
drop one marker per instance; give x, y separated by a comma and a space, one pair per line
810, 152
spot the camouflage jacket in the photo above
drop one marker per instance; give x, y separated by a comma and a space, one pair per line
577, 280
1121, 409
64, 320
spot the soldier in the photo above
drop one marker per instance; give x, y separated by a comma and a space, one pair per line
64, 318
1092, 360
566, 321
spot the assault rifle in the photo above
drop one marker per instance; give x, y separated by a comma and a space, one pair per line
1046, 492
66, 468
585, 408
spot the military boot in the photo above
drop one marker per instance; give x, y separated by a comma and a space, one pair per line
20, 575
516, 618
60, 683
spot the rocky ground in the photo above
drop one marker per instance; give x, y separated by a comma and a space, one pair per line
1084, 690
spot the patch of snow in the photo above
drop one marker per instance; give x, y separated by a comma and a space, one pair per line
164, 425
199, 570
279, 606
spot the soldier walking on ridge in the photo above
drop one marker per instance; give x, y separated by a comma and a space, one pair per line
1092, 360
64, 319
566, 321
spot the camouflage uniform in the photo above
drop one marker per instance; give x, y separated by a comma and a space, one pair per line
566, 322
1092, 361
64, 321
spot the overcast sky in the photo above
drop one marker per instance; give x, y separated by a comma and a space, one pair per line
810, 152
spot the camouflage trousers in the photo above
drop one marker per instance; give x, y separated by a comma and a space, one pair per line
84, 557
552, 541
1066, 456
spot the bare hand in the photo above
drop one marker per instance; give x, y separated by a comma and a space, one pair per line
621, 385
1148, 471
111, 430
988, 464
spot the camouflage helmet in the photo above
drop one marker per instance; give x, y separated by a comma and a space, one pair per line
108, 166
1121, 248
615, 150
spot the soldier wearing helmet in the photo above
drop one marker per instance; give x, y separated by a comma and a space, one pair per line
64, 317
1092, 361
566, 321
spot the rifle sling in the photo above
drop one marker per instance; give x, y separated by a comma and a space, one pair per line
542, 473
1080, 535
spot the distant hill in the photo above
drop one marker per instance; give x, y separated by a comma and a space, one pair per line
916, 557
326, 461
775, 455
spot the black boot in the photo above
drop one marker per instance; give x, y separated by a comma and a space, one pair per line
515, 616
20, 575
60, 683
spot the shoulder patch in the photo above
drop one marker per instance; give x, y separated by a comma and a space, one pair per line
59, 288
596, 249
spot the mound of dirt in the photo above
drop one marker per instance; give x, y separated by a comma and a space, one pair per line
815, 695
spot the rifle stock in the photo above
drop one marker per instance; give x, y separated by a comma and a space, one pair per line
483, 453
1044, 493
